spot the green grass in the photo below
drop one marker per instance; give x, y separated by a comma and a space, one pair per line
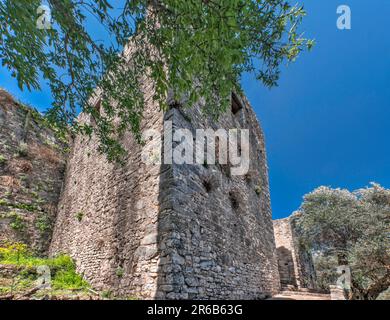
106, 294
62, 267
68, 279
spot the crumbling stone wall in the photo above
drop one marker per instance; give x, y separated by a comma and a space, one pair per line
108, 214
170, 231
222, 239
295, 265
32, 163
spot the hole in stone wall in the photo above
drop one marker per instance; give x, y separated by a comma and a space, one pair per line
236, 104
258, 189
207, 184
234, 200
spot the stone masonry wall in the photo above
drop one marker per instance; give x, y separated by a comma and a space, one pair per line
32, 163
108, 215
295, 264
170, 231
220, 242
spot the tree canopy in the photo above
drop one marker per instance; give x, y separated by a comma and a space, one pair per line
197, 49
350, 228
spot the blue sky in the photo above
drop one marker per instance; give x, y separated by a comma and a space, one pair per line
328, 122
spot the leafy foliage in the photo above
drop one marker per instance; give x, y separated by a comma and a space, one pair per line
79, 216
326, 270
17, 222
68, 279
63, 269
43, 223
23, 206
120, 272
12, 252
353, 228
3, 160
192, 49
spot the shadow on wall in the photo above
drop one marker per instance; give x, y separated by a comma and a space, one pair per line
169, 231
215, 232
286, 267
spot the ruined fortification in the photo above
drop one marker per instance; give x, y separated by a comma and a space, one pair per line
295, 264
146, 229
170, 231
32, 164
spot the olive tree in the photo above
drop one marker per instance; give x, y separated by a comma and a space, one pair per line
354, 229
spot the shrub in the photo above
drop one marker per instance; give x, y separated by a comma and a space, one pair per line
17, 253
3, 160
42, 223
17, 223
22, 150
62, 267
22, 206
68, 280
12, 252
79, 216
120, 272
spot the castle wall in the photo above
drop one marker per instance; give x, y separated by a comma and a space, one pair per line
294, 263
32, 163
170, 231
222, 243
108, 215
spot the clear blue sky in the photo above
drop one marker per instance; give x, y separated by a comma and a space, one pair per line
328, 122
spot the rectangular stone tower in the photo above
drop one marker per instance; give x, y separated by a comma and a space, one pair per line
170, 231
295, 264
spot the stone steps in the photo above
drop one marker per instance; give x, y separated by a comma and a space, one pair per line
301, 295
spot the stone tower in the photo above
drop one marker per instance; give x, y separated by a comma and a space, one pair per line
295, 264
170, 231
